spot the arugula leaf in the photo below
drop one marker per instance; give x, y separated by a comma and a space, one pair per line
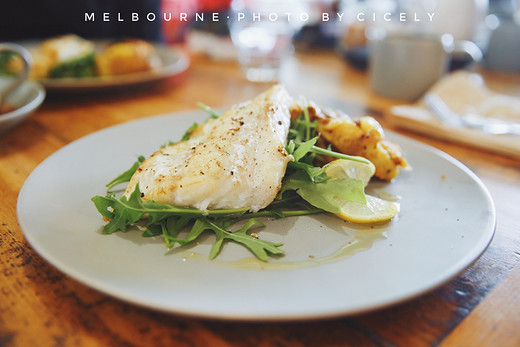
304, 148
258, 247
187, 135
316, 174
213, 114
127, 175
152, 230
276, 213
307, 118
291, 146
123, 212
319, 150
302, 129
164, 230
196, 230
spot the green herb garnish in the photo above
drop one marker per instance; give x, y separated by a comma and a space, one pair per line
212, 113
186, 135
84, 66
125, 176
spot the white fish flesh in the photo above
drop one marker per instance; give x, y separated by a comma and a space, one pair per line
235, 161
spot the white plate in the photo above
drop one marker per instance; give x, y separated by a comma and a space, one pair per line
174, 61
447, 220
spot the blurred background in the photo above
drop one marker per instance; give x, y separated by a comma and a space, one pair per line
227, 30
465, 19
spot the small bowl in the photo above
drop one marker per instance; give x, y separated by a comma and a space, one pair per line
24, 101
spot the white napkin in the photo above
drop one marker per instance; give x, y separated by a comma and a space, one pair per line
464, 92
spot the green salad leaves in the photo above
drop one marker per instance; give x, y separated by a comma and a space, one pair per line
306, 189
84, 66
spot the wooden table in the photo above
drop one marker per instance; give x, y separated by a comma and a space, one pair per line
40, 306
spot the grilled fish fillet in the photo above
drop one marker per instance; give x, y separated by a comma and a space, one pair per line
235, 161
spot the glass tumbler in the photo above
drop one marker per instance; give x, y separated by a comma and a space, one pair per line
262, 31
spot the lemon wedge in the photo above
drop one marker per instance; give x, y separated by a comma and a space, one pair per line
376, 210
343, 168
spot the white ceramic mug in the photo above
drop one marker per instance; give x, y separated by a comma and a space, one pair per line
404, 65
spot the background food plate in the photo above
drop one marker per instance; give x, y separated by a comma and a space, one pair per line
331, 267
174, 61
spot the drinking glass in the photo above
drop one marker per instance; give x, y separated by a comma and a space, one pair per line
262, 31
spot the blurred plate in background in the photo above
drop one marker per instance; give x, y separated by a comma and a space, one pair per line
174, 61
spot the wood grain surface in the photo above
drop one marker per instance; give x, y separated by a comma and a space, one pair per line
40, 306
